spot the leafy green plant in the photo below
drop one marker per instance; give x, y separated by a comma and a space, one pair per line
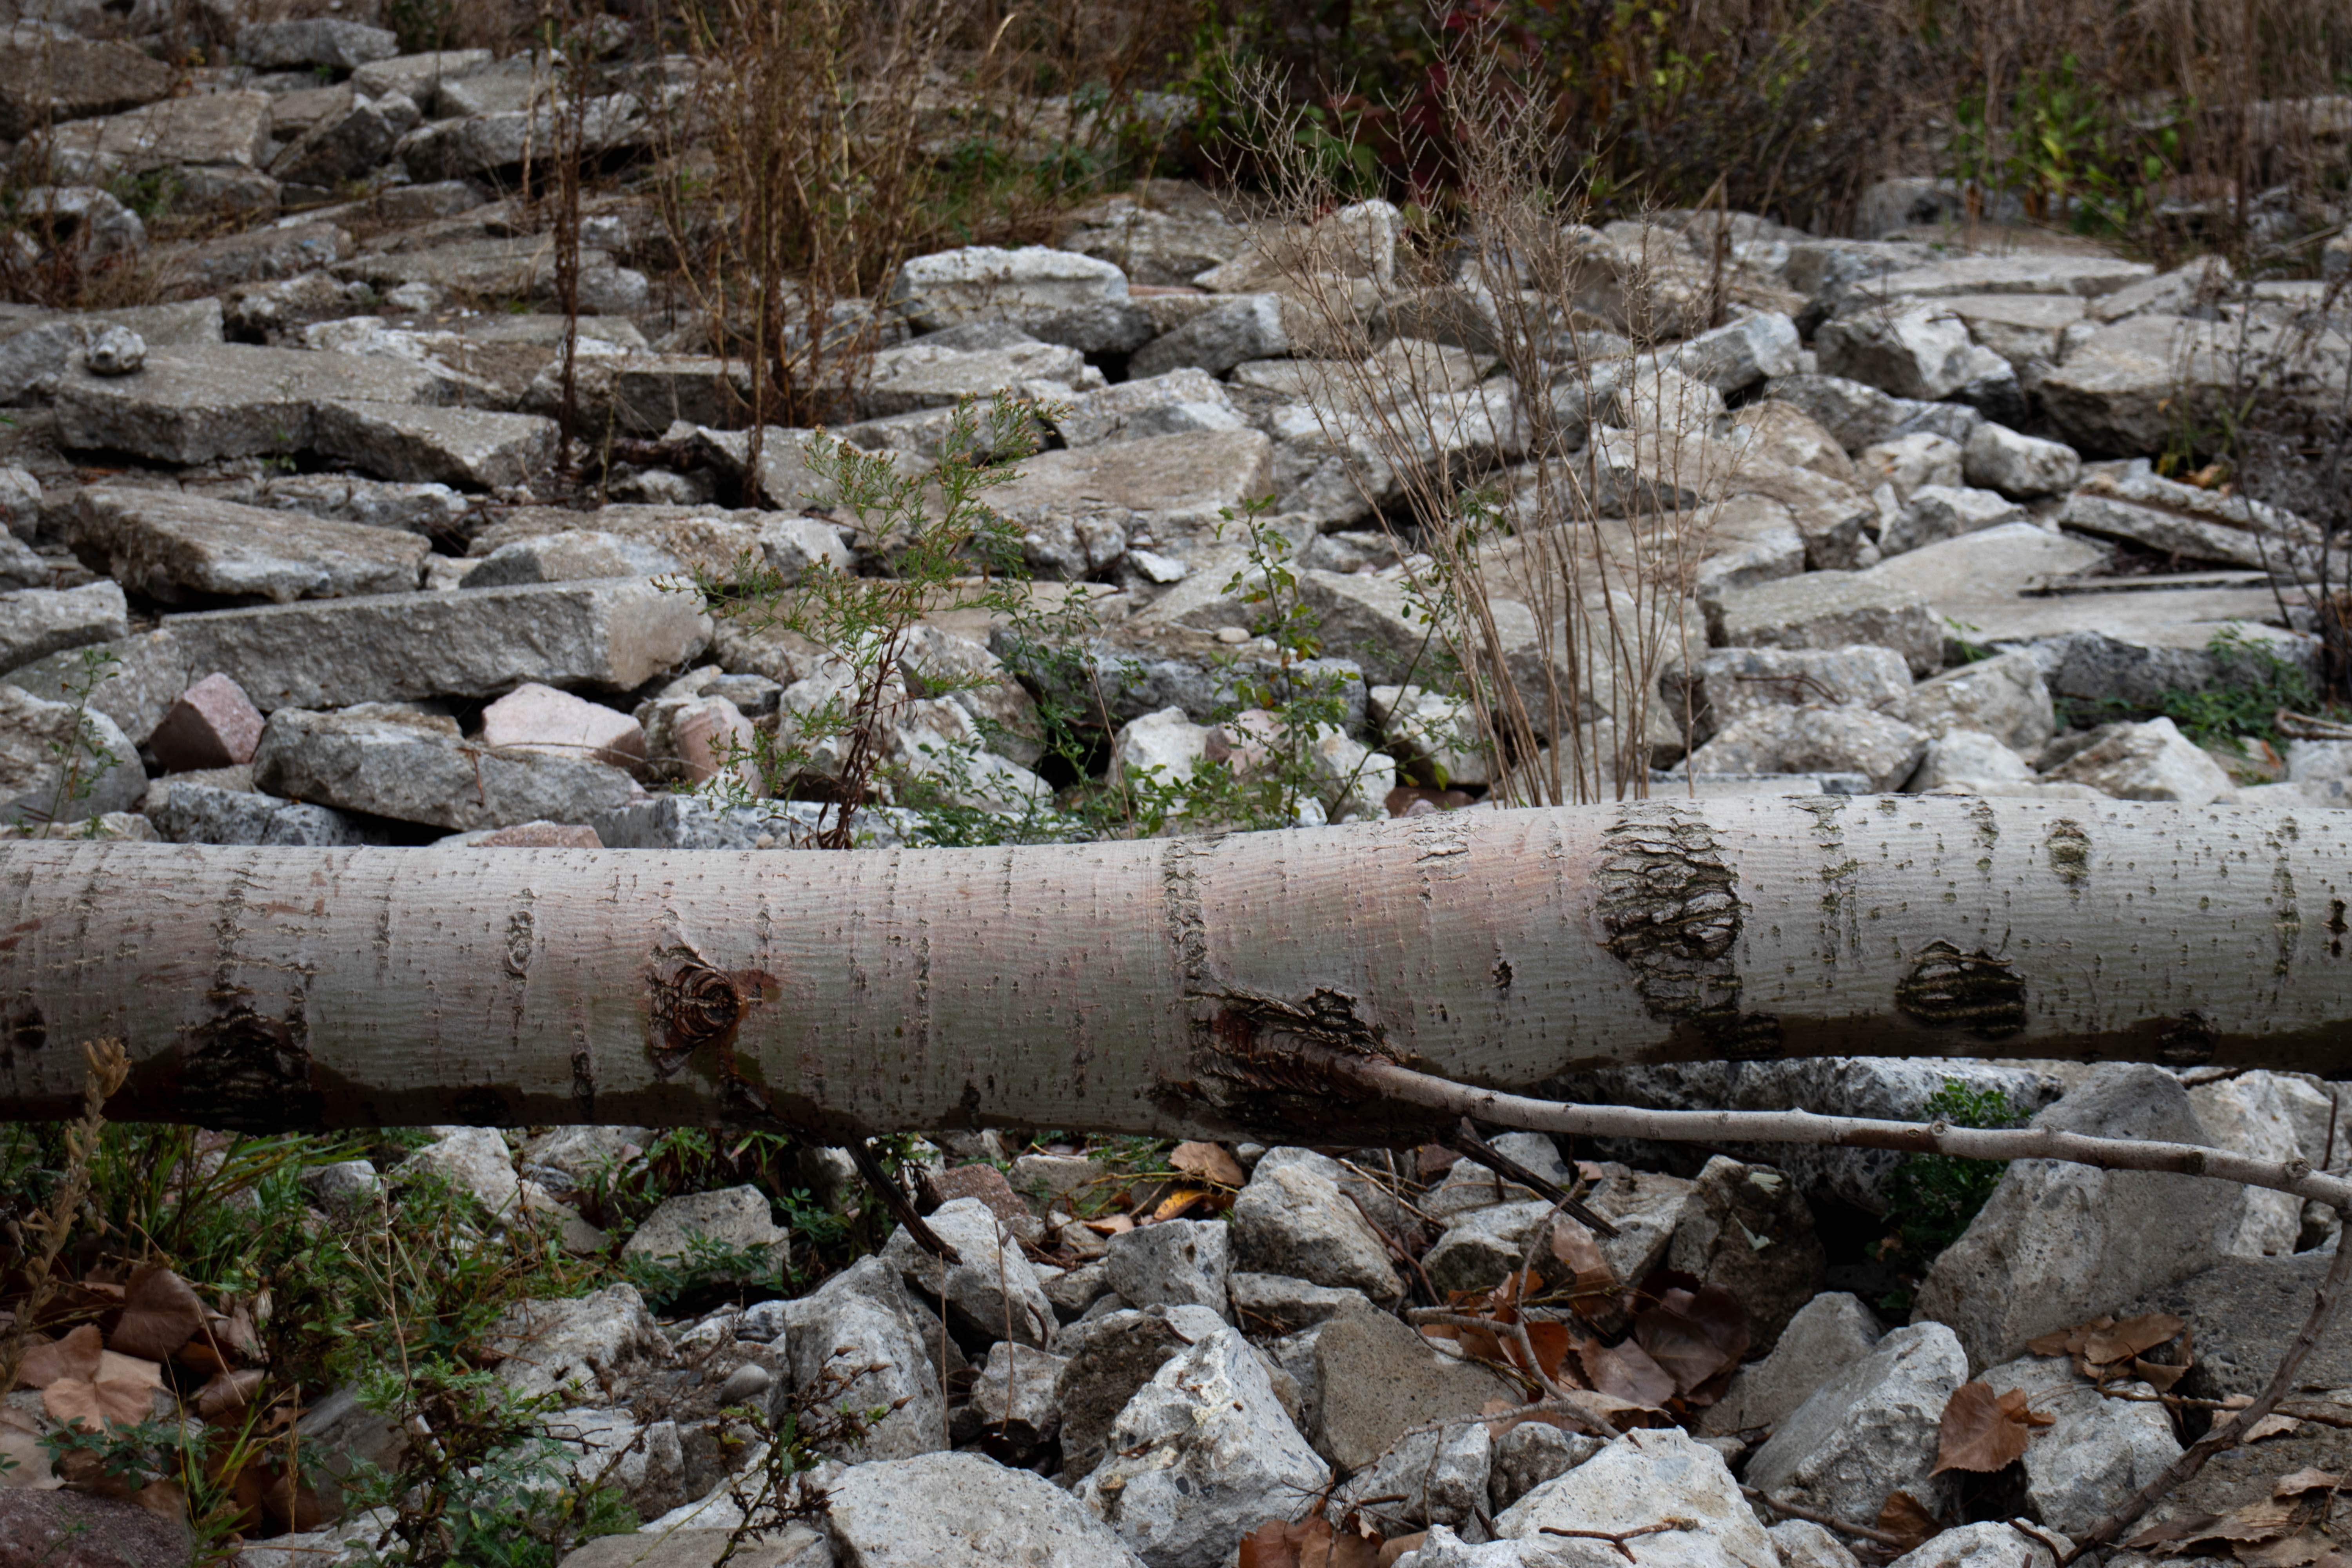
83, 760
1931, 1198
935, 546
2256, 683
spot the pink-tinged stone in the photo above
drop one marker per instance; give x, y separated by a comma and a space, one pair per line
214, 724
541, 835
710, 731
535, 718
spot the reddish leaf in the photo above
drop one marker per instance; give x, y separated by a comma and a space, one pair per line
1977, 1434
1434, 1159
1588, 1269
1626, 1371
1209, 1163
1693, 1335
1279, 1543
2012, 1405
160, 1313
1901, 1517
77, 1355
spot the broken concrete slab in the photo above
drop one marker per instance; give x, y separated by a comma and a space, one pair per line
178, 547
37, 621
332, 653
1181, 482
1831, 609
215, 128
48, 80
231, 400
387, 762
470, 448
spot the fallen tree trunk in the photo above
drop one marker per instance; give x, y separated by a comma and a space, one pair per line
1164, 986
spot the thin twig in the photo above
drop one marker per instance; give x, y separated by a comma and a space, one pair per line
1464, 1140
1618, 1538
1827, 1520
895, 1199
2323, 1312
1389, 1080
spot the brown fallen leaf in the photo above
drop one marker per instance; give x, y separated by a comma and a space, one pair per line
1977, 1432
77, 1356
160, 1313
1210, 1163
2069, 1342
1111, 1225
2308, 1479
2270, 1426
1588, 1270
1905, 1517
229, 1393
2013, 1405
1625, 1371
2157, 1374
94, 1406
1392, 1550
2131, 1337
2296, 1550
1693, 1335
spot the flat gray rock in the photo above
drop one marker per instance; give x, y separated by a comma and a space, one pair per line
472, 448
962, 1511
37, 621
390, 647
178, 547
387, 762
194, 404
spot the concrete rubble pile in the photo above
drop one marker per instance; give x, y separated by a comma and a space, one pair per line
289, 561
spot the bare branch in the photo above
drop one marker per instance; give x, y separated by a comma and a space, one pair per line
2328, 1298
1398, 1083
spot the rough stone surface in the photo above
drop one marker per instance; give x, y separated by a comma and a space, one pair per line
859, 1319
1640, 1480
2058, 1245
536, 718
2098, 1450
37, 621
42, 743
1379, 1379
472, 448
1179, 1263
1294, 1220
213, 725
1828, 1334
377, 759
1430, 1478
78, 1530
1747, 1229
2153, 761
963, 1511
992, 1293
2004, 696
593, 1342
733, 1217
1870, 1431
1937, 512
196, 404
180, 549
2020, 467
1831, 609
1814, 738
1739, 682
403, 646
1110, 1357
1203, 1453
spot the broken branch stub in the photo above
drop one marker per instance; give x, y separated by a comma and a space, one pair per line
1206, 988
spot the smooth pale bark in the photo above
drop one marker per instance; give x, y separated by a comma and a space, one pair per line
1157, 986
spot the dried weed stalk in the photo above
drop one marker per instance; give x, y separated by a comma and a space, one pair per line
1464, 364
